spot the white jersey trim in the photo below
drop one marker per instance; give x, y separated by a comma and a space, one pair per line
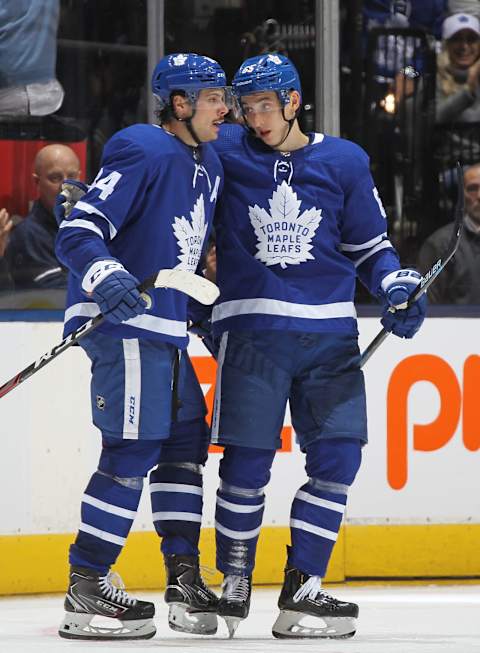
152, 323
386, 244
82, 224
284, 309
317, 138
88, 208
347, 247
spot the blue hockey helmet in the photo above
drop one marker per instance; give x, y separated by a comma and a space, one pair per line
267, 72
186, 72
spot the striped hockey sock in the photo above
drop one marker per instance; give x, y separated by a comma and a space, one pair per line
177, 500
107, 513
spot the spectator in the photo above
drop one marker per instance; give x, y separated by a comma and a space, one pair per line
459, 282
31, 252
464, 7
28, 52
458, 70
6, 225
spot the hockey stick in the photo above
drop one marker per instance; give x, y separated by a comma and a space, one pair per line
191, 284
430, 276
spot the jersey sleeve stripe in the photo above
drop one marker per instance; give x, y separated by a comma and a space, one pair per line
347, 247
88, 208
150, 323
81, 224
386, 244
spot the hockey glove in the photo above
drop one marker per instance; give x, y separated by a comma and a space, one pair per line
114, 289
71, 191
399, 318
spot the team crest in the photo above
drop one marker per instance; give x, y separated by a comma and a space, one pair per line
179, 59
284, 235
190, 236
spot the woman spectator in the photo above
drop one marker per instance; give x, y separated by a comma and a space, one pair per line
458, 70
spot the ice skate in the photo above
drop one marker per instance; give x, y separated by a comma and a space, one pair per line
96, 609
192, 605
234, 604
306, 610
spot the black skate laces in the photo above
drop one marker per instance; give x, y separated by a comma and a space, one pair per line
113, 588
310, 590
236, 588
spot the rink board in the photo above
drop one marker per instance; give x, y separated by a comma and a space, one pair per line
413, 511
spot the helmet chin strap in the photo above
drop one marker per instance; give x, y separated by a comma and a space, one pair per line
290, 125
189, 126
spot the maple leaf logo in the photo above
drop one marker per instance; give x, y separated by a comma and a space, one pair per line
284, 236
190, 236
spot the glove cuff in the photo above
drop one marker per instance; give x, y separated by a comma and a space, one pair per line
98, 271
400, 276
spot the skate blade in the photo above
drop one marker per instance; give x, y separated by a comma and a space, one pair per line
232, 625
194, 623
297, 625
78, 625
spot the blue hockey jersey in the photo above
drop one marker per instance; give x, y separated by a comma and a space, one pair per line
151, 207
293, 232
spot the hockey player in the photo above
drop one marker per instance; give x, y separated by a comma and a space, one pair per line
150, 207
299, 219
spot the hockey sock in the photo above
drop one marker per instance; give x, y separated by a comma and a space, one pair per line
177, 500
240, 505
108, 509
319, 505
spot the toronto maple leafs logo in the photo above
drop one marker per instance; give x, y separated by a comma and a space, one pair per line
284, 235
190, 236
179, 59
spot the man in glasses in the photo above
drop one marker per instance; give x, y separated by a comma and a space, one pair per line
459, 282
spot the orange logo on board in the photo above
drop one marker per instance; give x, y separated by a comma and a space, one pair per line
455, 407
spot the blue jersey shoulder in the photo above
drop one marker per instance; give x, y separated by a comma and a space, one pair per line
230, 137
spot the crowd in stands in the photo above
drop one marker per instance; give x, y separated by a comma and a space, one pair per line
27, 257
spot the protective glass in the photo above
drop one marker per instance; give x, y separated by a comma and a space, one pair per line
213, 98
259, 103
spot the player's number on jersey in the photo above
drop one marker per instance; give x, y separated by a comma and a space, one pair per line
106, 184
379, 202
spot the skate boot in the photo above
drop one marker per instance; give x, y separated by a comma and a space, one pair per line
302, 598
193, 605
234, 604
96, 609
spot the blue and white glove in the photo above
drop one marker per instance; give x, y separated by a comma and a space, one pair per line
71, 191
397, 287
114, 289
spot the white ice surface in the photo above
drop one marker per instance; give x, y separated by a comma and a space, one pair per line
393, 619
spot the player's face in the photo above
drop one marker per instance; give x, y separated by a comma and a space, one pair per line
263, 113
210, 110
472, 193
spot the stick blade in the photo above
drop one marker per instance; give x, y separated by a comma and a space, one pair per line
193, 285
